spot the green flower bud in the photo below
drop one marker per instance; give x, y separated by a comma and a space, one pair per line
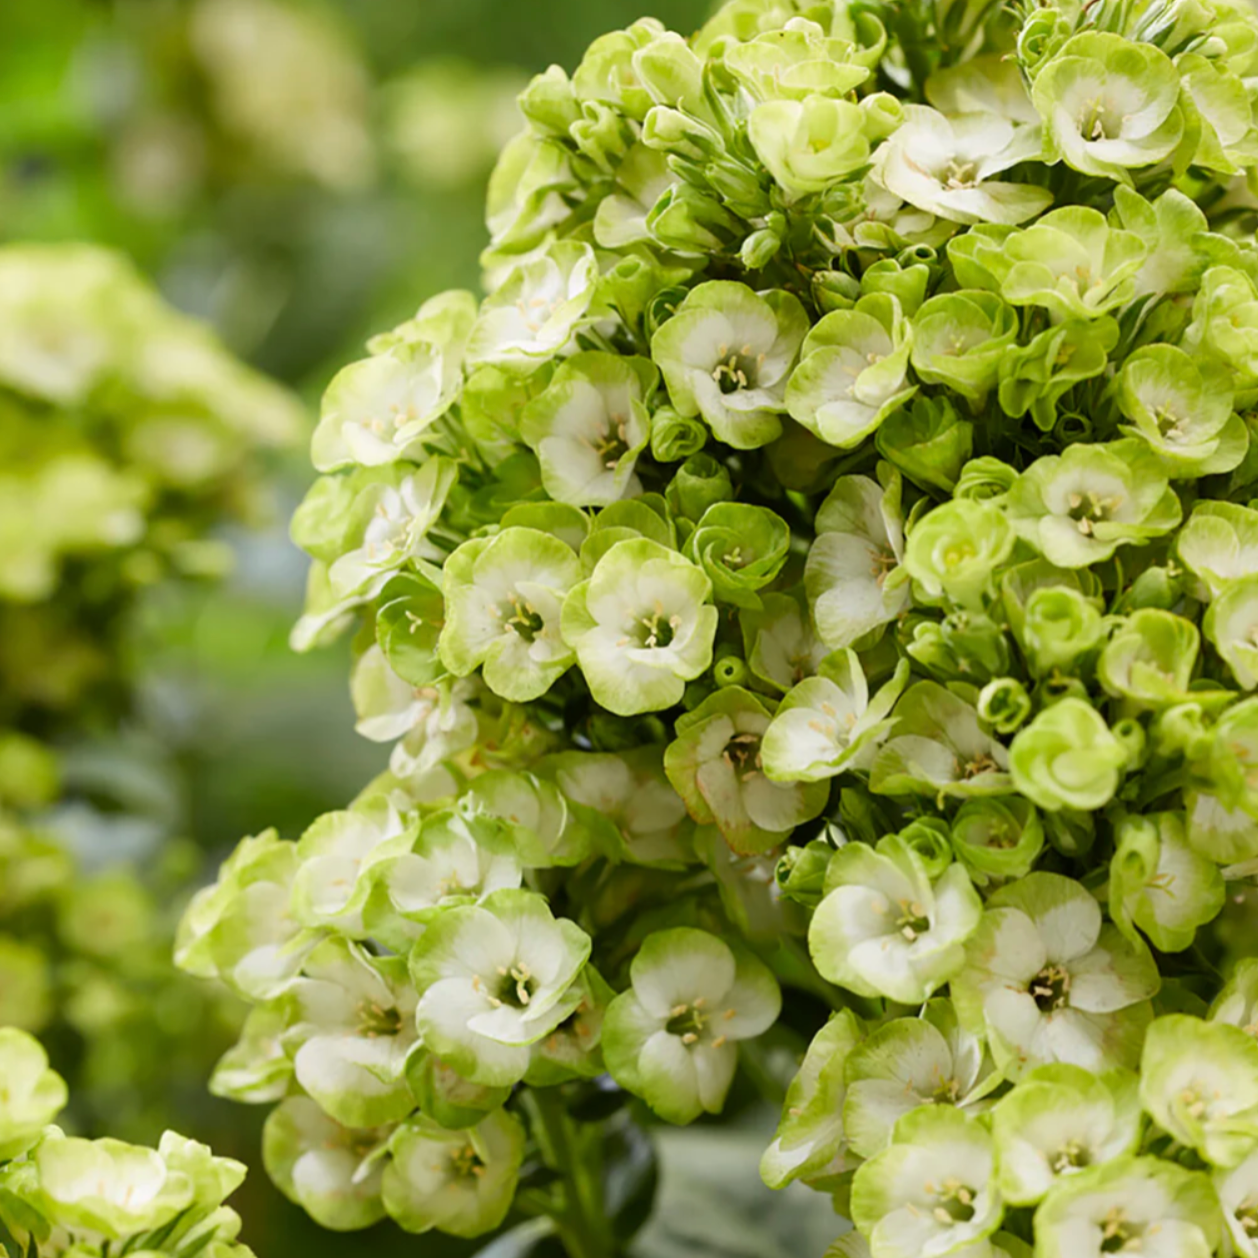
927, 442
1004, 704
997, 838
1060, 627
801, 872
1067, 758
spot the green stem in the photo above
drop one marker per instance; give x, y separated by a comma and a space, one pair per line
574, 1150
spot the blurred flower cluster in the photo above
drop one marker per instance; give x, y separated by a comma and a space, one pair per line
129, 437
62, 1194
251, 154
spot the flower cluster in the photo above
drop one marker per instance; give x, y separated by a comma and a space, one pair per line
822, 565
62, 1194
128, 436
127, 432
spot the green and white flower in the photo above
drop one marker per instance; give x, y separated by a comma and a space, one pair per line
589, 426
1199, 1083
256, 1069
104, 1187
1071, 262
1185, 415
716, 766
533, 315
945, 165
909, 1062
742, 549
886, 928
351, 1021
1231, 624
811, 1142
1079, 507
329, 890
626, 803
1067, 758
332, 1172
1046, 981
1149, 661
534, 813
431, 723
241, 929
809, 144
853, 371
959, 340
1237, 1002
1238, 1197
494, 978
1059, 1120
460, 1182
726, 355
504, 595
380, 409
853, 576
829, 725
932, 1192
391, 519
1159, 884
1133, 1204
939, 749
672, 1037
1109, 105
956, 550
440, 860
779, 642
31, 1094
1219, 544
641, 626
1225, 322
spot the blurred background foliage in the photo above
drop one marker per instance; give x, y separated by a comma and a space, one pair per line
301, 173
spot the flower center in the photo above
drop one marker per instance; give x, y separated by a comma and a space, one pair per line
1087, 509
1100, 120
466, 1161
522, 618
1051, 988
652, 629
954, 1201
1247, 1216
1119, 1235
693, 1022
736, 369
1196, 1104
742, 754
374, 1020
912, 920
959, 174
515, 986
1072, 1156
611, 445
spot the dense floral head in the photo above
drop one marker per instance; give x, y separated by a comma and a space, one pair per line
819, 575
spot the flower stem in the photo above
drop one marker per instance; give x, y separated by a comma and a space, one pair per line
575, 1152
